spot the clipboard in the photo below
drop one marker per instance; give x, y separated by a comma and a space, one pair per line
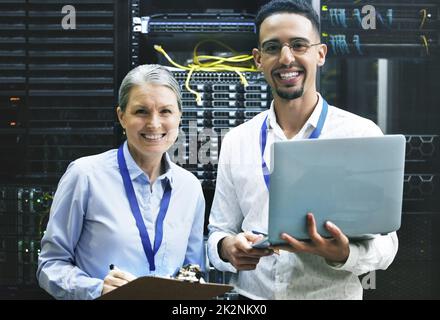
158, 288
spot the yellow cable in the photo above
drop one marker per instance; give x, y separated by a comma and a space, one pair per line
198, 95
161, 50
195, 59
213, 64
425, 44
423, 18
242, 78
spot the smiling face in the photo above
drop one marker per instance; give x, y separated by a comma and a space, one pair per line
151, 120
290, 75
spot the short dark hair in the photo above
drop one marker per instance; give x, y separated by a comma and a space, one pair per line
301, 7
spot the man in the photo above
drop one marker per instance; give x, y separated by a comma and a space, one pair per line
289, 54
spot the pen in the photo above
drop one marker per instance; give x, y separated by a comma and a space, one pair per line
122, 274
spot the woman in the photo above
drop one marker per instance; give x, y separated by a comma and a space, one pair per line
130, 207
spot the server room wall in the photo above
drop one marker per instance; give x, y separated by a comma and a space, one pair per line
59, 90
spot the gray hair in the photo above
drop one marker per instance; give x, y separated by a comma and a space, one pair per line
148, 73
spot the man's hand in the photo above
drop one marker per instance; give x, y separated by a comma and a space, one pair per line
239, 252
335, 249
116, 278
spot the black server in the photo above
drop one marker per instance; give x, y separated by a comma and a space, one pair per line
385, 69
57, 99
175, 34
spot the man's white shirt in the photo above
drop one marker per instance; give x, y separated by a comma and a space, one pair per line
241, 204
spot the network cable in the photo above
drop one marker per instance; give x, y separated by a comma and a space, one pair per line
342, 18
333, 17
344, 44
390, 17
333, 44
425, 44
423, 12
379, 17
213, 64
357, 43
357, 15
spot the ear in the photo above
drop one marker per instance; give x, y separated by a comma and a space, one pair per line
121, 115
322, 52
257, 57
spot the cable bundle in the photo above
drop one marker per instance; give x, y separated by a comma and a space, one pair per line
235, 63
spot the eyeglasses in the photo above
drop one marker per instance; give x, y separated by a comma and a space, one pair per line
298, 47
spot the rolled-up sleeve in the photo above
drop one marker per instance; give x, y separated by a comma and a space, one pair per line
373, 254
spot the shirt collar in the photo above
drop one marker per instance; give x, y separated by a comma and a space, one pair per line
314, 117
311, 121
135, 171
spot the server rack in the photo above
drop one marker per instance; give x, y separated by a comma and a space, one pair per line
387, 74
58, 95
225, 101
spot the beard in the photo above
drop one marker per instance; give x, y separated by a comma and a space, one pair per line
290, 95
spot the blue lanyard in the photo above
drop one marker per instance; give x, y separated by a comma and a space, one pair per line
263, 139
149, 252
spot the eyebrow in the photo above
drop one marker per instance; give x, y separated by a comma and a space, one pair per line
291, 39
146, 107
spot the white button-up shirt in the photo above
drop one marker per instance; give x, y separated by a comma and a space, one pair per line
241, 204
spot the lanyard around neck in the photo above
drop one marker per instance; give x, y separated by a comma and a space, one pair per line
129, 190
263, 139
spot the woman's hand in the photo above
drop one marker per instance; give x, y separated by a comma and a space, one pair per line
116, 278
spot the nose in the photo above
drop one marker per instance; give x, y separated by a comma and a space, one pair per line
286, 55
153, 121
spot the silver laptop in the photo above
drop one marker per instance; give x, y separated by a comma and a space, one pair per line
356, 183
